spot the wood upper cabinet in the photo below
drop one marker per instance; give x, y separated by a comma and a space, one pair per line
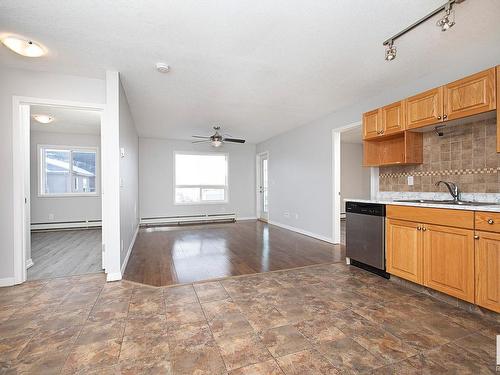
498, 108
471, 95
404, 250
424, 109
372, 124
488, 270
393, 118
449, 260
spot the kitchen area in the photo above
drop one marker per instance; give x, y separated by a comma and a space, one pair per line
434, 225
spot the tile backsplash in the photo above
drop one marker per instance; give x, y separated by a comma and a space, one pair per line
465, 154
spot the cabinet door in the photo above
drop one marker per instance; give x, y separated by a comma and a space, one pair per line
449, 260
424, 109
488, 270
471, 95
404, 250
371, 124
393, 118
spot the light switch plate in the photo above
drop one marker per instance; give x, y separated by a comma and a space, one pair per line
410, 180
122, 152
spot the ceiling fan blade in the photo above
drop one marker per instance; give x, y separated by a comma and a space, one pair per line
234, 140
200, 136
205, 141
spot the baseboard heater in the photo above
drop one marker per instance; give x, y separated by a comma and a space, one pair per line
188, 219
58, 225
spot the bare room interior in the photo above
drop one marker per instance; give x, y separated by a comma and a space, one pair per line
250, 187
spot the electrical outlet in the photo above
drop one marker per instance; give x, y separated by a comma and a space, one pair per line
51, 216
410, 180
296, 216
122, 152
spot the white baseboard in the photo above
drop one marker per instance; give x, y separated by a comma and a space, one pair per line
124, 265
301, 231
8, 281
114, 276
67, 225
29, 263
187, 219
246, 218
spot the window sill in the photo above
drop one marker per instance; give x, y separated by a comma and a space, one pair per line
200, 203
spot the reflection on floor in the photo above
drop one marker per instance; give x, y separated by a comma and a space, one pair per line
65, 253
325, 319
172, 255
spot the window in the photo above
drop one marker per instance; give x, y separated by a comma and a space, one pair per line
200, 178
67, 170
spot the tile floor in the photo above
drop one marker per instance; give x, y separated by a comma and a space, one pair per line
326, 319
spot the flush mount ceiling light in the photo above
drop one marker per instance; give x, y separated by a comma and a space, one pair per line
43, 119
447, 21
390, 52
23, 47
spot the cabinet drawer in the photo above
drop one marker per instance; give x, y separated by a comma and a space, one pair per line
439, 216
488, 221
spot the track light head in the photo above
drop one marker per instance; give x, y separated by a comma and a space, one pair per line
390, 52
448, 20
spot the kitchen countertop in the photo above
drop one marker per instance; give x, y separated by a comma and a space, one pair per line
492, 208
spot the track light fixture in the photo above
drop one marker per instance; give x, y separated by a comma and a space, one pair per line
448, 20
445, 22
390, 52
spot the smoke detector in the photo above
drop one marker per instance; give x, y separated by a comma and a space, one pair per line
162, 67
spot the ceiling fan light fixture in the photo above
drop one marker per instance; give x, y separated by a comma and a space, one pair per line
23, 47
43, 119
216, 143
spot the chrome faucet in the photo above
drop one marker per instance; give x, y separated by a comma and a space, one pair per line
453, 188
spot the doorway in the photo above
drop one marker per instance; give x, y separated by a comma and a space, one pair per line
263, 186
65, 237
350, 178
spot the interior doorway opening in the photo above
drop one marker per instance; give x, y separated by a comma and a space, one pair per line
65, 205
263, 186
350, 178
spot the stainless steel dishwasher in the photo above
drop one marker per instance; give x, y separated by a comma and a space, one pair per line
365, 236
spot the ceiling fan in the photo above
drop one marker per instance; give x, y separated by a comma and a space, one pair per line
217, 139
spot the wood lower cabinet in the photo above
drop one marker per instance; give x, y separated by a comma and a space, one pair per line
449, 260
404, 250
424, 109
487, 254
471, 95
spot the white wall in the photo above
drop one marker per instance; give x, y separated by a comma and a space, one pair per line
156, 161
63, 208
300, 167
354, 178
129, 177
34, 84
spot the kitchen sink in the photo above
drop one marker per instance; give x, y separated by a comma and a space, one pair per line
458, 203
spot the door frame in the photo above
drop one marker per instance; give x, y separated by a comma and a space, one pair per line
21, 173
258, 199
336, 176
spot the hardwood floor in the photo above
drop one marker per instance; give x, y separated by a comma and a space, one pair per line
65, 253
173, 255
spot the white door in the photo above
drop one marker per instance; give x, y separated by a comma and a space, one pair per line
263, 181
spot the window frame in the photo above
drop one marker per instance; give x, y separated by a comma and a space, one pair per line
71, 149
200, 203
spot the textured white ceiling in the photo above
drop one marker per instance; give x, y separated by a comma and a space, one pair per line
67, 120
258, 67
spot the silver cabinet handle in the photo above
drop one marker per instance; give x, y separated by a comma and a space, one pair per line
445, 117
476, 237
491, 221
439, 117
